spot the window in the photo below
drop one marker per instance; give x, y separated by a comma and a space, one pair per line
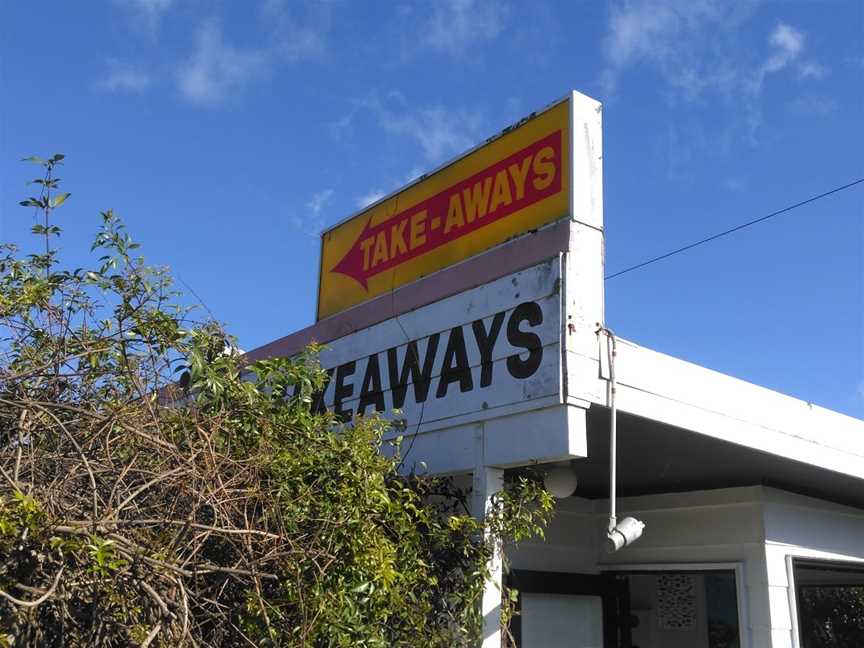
830, 597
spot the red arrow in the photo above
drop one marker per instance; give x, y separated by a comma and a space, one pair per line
352, 263
496, 192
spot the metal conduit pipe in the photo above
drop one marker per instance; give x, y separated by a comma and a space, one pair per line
625, 533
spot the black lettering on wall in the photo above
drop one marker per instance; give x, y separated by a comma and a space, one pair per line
343, 391
486, 343
370, 392
531, 313
318, 405
420, 376
455, 367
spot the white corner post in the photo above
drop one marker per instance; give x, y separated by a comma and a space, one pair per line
486, 482
585, 290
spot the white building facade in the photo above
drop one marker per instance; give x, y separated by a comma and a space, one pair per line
751, 500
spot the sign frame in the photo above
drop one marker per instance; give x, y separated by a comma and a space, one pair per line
565, 176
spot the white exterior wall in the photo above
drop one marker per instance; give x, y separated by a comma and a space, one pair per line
754, 529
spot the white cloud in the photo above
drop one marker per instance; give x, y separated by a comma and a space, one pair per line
312, 222
216, 70
788, 43
296, 37
152, 7
701, 52
148, 13
456, 24
339, 128
123, 78
814, 105
373, 196
318, 200
669, 34
812, 70
694, 45
440, 133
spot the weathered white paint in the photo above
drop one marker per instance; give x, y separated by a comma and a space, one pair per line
663, 388
526, 304
586, 127
584, 262
554, 433
485, 484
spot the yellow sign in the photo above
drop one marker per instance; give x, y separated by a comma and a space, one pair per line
509, 186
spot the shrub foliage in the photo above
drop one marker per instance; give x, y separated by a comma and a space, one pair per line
157, 491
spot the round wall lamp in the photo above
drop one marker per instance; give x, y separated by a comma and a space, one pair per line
560, 481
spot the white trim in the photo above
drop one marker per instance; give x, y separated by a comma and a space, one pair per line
816, 555
740, 589
793, 600
571, 204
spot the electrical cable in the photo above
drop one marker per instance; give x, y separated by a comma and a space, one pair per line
734, 229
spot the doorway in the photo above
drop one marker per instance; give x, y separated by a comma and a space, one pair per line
573, 610
644, 608
684, 609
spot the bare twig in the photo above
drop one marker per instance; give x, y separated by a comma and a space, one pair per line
38, 601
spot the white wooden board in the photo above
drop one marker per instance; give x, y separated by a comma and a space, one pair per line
496, 346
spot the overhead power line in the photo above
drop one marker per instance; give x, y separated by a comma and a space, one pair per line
734, 229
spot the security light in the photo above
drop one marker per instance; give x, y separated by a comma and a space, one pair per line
561, 482
623, 534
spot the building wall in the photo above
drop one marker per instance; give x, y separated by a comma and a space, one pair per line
720, 526
803, 527
757, 529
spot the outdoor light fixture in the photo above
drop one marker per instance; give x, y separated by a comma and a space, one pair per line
561, 482
623, 534
629, 530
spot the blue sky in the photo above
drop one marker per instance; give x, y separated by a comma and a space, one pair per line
228, 134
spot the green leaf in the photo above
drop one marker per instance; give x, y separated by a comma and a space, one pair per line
59, 199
